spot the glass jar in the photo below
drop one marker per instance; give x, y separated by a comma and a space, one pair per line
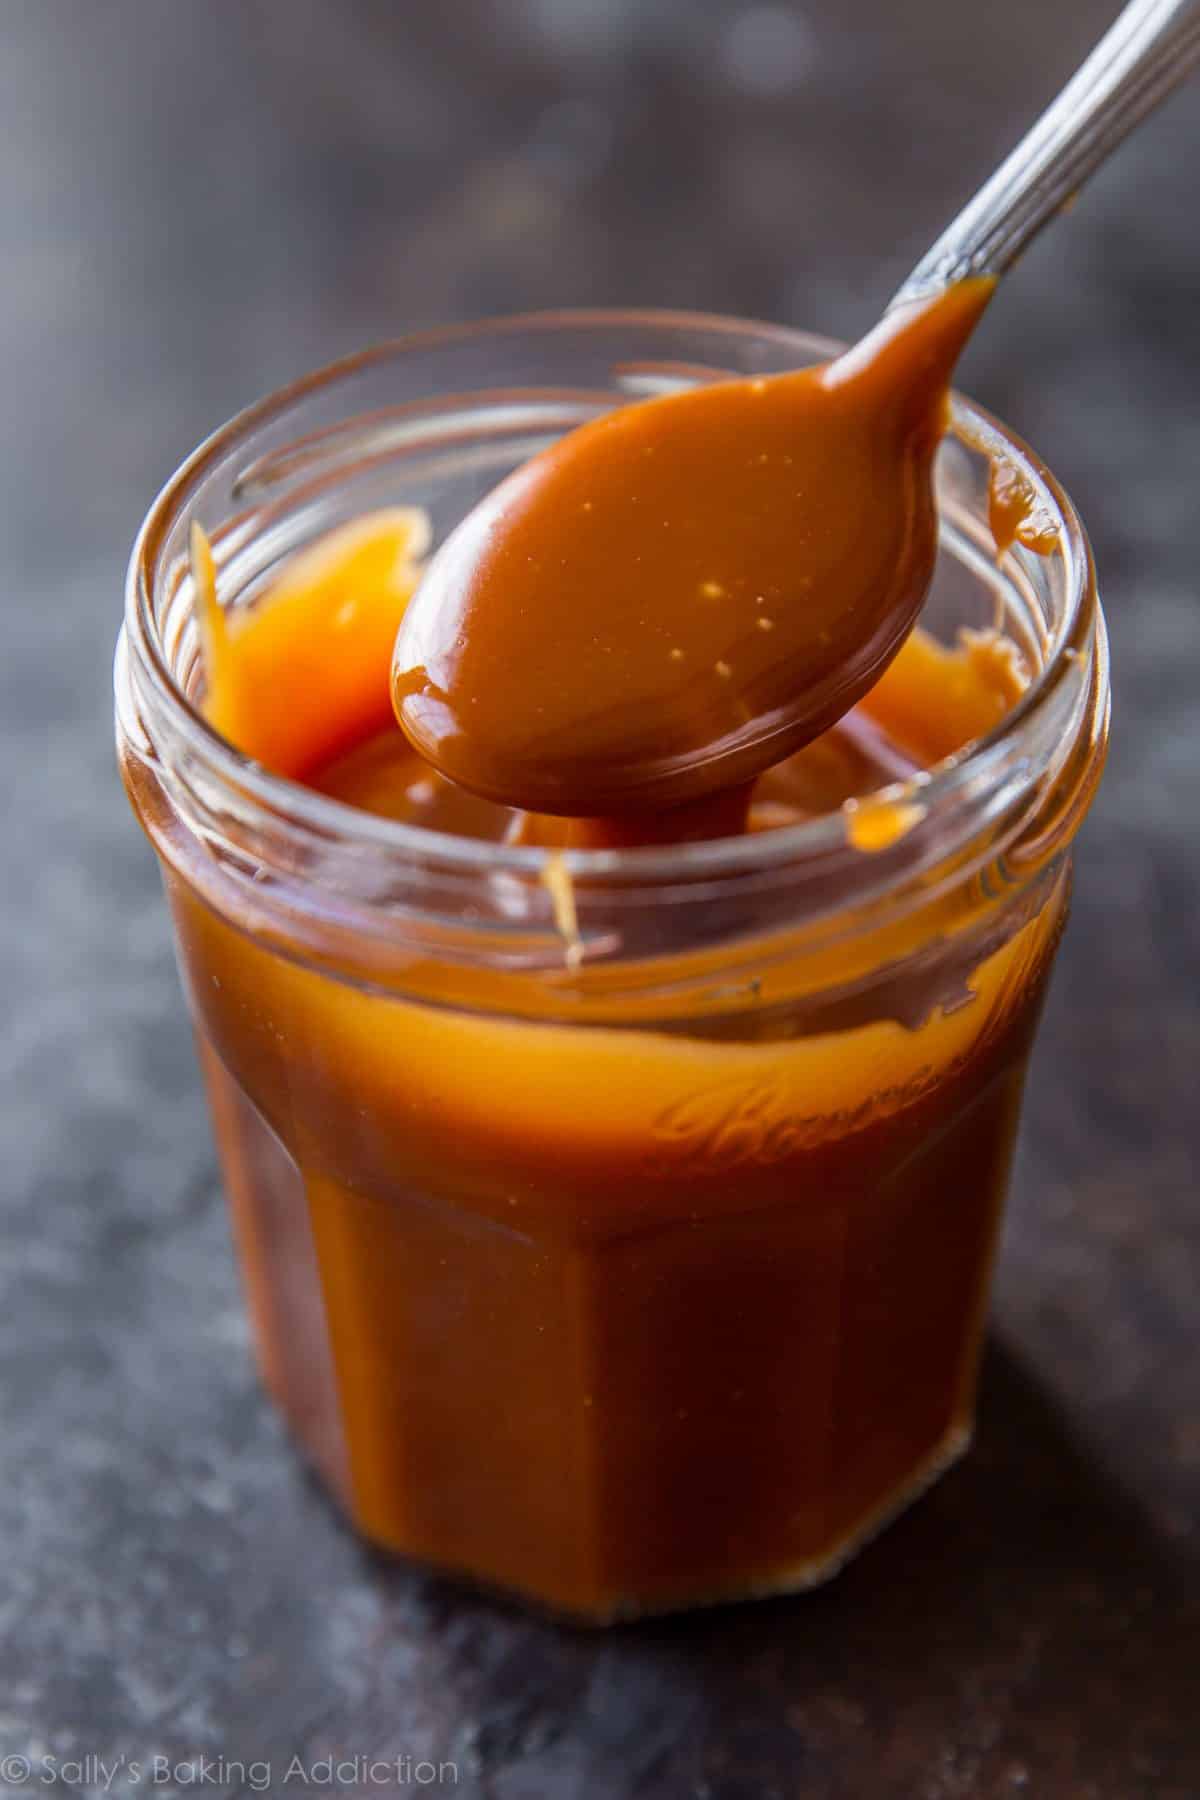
658, 1279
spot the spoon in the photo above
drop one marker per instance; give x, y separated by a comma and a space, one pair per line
684, 591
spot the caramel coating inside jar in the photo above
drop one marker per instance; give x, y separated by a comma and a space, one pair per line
626, 1314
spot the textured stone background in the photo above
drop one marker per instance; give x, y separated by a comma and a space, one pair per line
200, 200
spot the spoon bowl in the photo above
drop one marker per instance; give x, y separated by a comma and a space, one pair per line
684, 591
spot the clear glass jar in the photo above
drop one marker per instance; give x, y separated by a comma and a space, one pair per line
661, 1279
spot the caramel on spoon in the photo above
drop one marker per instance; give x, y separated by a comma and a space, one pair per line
682, 592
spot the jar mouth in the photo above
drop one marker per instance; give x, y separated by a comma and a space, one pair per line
158, 715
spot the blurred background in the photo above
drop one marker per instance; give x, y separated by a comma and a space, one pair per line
202, 201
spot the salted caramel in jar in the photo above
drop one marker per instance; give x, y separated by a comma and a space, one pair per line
616, 1223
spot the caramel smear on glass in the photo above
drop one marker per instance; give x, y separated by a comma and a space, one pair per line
299, 679
1017, 514
555, 877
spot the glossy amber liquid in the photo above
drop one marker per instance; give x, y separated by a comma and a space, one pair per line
630, 1315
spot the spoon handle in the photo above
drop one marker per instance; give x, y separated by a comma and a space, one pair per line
1147, 52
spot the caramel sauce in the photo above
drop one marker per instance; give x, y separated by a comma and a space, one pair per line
881, 821
1016, 512
685, 591
326, 618
296, 682
677, 1301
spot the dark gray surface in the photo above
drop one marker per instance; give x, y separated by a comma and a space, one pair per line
200, 200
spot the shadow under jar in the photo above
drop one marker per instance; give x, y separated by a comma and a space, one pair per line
661, 1279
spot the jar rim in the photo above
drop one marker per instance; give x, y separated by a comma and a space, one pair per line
988, 762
